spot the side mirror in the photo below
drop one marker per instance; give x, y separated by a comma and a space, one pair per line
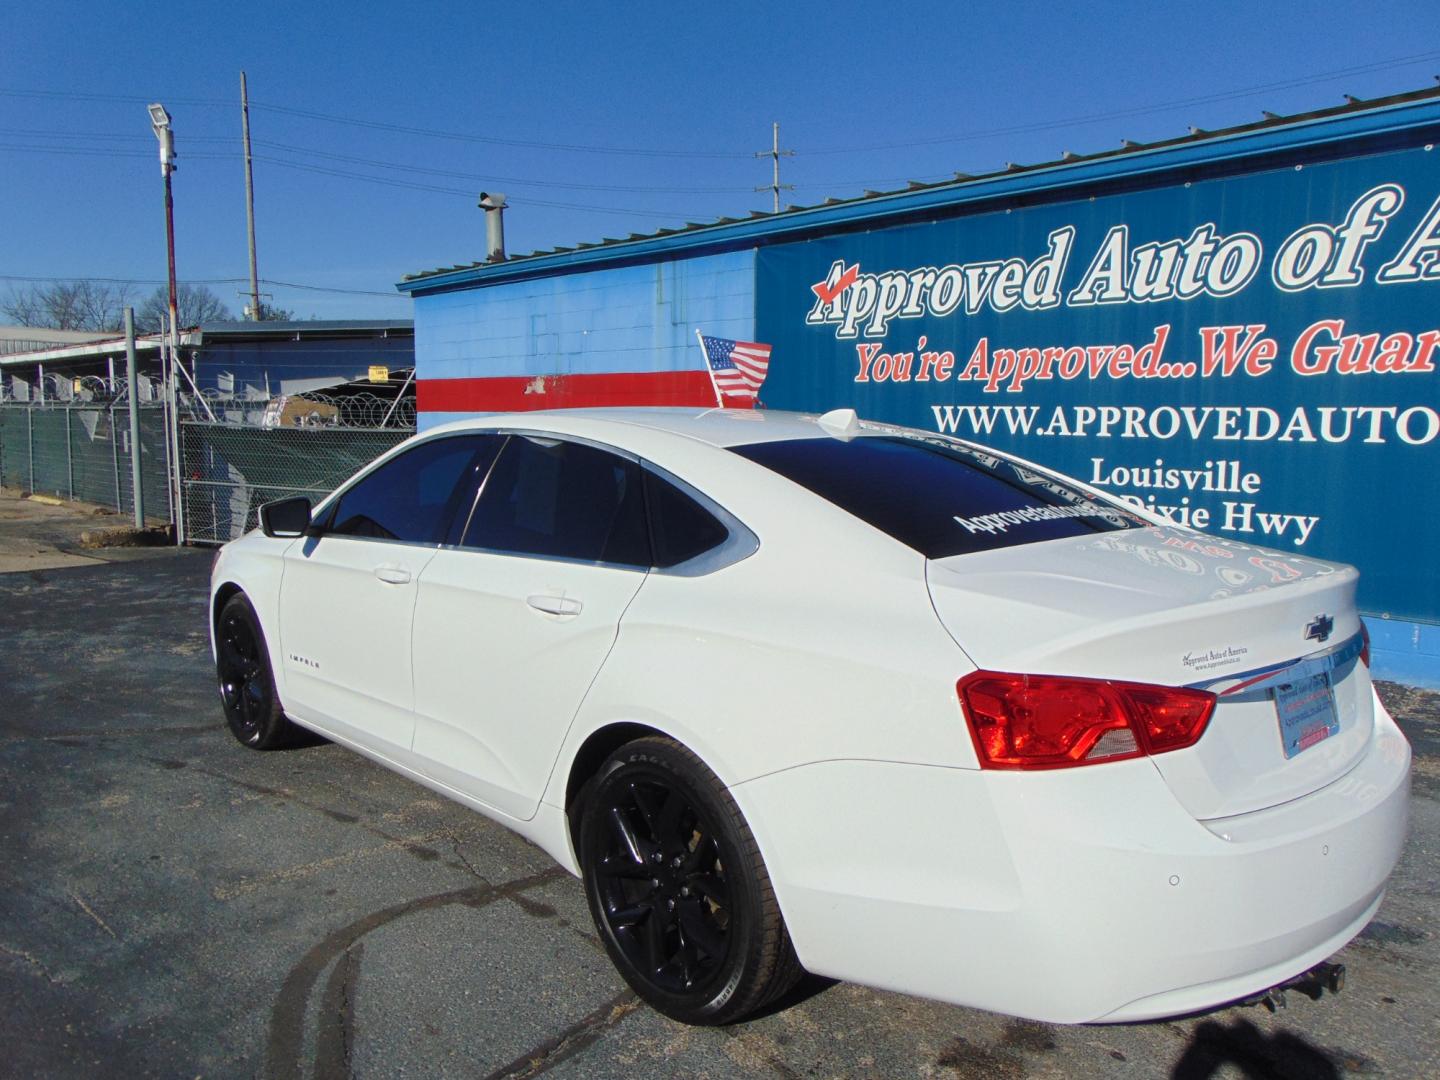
286, 517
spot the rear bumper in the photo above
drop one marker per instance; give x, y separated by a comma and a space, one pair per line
1077, 895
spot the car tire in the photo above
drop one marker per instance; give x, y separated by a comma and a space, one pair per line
247, 686
678, 889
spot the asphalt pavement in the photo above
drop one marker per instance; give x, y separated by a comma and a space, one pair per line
46, 534
175, 905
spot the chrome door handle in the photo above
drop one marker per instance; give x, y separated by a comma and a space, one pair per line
555, 605
392, 575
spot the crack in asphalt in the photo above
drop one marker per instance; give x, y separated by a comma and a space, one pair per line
34, 961
91, 912
570, 1041
455, 847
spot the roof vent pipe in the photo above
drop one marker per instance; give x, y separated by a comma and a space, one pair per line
493, 203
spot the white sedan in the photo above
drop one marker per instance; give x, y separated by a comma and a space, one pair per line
805, 692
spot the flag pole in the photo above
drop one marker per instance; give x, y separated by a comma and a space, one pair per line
719, 401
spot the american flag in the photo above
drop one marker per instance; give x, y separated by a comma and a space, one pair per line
738, 367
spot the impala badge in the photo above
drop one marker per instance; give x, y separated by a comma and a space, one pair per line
1319, 628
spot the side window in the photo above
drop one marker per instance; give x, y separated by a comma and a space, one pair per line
415, 496
680, 528
563, 500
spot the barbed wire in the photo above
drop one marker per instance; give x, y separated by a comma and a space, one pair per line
78, 390
310, 409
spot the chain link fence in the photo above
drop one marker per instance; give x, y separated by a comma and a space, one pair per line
235, 453
257, 451
83, 451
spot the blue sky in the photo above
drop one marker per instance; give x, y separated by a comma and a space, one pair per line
597, 120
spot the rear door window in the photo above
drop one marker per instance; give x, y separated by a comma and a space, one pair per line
562, 500
938, 497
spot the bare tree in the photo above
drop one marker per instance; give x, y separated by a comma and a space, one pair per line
194, 304
23, 307
269, 313
68, 305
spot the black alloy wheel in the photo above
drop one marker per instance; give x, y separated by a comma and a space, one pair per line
247, 689
677, 887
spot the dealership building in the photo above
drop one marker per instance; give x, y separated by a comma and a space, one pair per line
1239, 328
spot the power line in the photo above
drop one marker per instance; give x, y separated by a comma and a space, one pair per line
202, 281
320, 288
650, 189
479, 177
78, 150
129, 137
120, 151
492, 178
388, 182
469, 194
1141, 110
119, 281
405, 129
76, 95
1359, 69
433, 133
107, 152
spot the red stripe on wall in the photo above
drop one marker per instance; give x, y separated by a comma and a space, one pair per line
522, 393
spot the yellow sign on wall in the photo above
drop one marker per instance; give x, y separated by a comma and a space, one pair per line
379, 373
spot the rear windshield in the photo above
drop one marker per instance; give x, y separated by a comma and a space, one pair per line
939, 497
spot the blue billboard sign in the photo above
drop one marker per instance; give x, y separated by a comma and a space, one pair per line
1253, 355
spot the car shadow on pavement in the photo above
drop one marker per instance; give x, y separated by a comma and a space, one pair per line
1257, 1054
808, 987
305, 739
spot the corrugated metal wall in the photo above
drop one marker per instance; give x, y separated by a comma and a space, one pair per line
565, 339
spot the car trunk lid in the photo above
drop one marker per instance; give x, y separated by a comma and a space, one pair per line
1264, 630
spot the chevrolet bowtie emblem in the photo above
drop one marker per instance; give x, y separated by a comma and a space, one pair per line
1319, 628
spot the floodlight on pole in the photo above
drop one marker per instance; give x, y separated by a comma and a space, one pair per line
160, 124
165, 134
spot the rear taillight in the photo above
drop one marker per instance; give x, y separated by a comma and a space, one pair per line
1364, 644
1054, 722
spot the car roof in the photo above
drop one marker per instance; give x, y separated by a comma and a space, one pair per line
716, 427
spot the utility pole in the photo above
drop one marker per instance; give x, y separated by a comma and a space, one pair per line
776, 154
249, 199
132, 388
165, 135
